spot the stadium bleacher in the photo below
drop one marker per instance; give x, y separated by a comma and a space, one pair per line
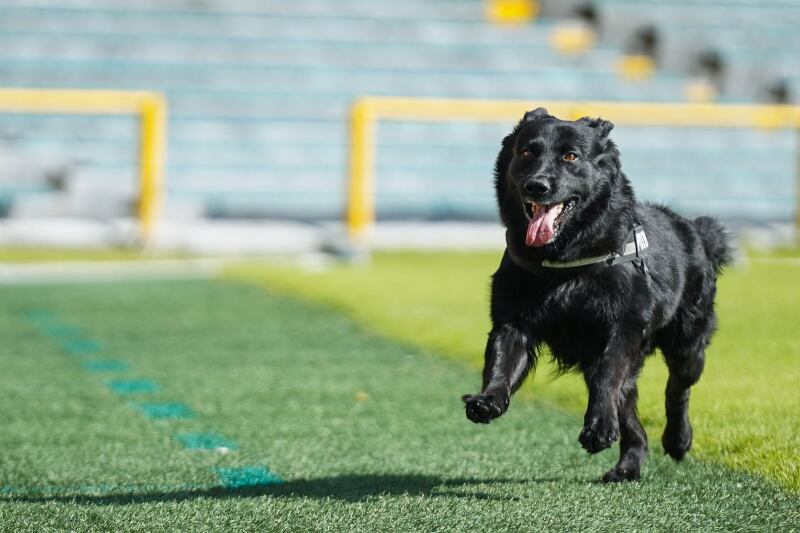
756, 39
260, 92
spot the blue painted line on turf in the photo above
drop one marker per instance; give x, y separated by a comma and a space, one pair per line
39, 315
205, 441
247, 476
75, 344
132, 386
83, 346
105, 365
62, 331
164, 410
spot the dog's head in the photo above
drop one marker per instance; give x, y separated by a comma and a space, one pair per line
553, 175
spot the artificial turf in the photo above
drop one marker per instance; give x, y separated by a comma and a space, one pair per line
363, 433
744, 410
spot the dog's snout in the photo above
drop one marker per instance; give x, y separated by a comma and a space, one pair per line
536, 186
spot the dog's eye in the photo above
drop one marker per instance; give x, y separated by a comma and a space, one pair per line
570, 156
526, 154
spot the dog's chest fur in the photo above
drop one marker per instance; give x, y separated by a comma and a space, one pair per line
574, 315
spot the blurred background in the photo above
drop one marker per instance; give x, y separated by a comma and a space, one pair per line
260, 93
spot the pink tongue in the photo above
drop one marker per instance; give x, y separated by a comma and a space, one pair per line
540, 228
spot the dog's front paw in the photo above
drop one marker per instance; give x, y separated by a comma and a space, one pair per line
599, 434
482, 408
621, 473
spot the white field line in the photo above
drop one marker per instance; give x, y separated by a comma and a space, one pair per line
109, 271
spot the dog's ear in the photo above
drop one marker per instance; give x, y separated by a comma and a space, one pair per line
536, 114
607, 153
603, 127
504, 157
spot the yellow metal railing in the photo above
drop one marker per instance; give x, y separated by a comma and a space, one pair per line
152, 111
360, 212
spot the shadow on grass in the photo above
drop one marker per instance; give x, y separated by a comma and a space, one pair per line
349, 488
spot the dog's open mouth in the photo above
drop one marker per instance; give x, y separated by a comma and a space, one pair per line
545, 221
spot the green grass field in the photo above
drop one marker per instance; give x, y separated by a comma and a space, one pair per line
217, 405
745, 407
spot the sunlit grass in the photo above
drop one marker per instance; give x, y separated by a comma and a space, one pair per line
745, 408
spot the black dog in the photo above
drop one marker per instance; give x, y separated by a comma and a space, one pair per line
600, 279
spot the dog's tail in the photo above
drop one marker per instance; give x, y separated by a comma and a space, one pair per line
716, 241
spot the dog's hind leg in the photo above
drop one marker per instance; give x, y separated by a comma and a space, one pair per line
683, 344
633, 439
508, 358
684, 371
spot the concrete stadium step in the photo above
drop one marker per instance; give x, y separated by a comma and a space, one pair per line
246, 28
314, 95
422, 143
412, 9
203, 130
177, 74
723, 3
635, 12
398, 142
365, 53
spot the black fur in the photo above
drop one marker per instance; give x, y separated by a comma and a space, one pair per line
604, 322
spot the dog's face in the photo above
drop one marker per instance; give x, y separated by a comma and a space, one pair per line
551, 170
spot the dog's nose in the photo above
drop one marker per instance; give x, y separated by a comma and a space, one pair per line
536, 186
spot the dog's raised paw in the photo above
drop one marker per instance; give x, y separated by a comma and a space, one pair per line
482, 408
598, 435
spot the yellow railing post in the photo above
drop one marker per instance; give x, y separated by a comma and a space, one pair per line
361, 192
368, 110
151, 164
